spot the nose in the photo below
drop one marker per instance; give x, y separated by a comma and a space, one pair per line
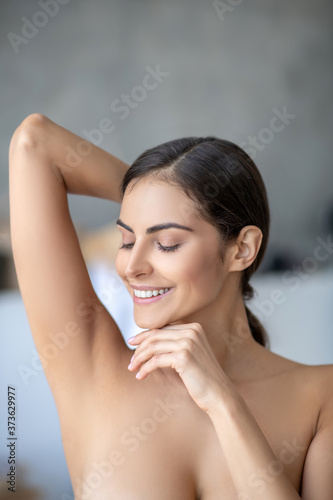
138, 262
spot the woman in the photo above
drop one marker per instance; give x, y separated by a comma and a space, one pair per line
211, 413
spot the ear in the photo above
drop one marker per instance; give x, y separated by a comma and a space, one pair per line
243, 251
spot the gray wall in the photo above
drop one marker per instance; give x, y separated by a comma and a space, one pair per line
227, 72
227, 75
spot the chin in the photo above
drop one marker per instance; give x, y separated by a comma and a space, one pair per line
150, 323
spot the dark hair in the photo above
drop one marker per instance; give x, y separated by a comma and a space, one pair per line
225, 185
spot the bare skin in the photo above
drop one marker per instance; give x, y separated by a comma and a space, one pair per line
213, 415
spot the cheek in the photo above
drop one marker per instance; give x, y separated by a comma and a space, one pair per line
202, 273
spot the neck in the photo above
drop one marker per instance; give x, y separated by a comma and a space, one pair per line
227, 329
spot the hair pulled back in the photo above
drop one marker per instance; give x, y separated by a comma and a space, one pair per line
224, 184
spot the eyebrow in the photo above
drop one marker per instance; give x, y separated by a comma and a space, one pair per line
157, 227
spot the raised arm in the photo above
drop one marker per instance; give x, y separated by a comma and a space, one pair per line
73, 332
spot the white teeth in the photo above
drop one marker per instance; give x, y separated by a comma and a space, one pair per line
144, 294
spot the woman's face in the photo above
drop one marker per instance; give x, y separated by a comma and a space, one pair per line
184, 259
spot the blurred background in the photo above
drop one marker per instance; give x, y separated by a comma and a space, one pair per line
130, 75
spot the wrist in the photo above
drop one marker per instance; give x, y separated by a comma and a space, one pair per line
225, 405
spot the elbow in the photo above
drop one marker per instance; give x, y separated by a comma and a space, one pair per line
29, 134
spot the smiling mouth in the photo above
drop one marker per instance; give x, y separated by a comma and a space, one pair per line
147, 294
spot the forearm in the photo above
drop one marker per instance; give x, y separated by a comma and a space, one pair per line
82, 167
248, 453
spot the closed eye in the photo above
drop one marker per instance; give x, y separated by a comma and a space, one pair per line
160, 247
168, 249
126, 245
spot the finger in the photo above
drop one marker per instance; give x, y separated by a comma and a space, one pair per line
136, 339
160, 335
153, 348
146, 336
163, 360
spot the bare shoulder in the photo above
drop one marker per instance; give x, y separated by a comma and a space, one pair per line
314, 381
320, 380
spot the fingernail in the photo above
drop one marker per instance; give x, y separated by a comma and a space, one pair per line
132, 358
130, 339
137, 375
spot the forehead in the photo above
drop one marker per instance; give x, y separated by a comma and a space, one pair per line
151, 202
